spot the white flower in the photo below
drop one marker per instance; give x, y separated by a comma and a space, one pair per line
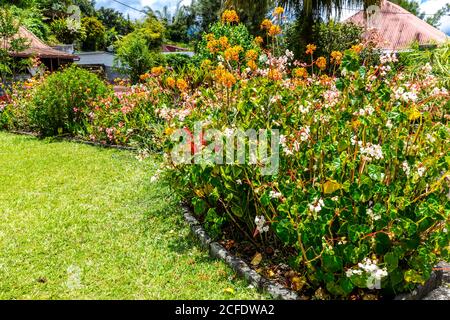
304, 133
421, 170
228, 132
239, 181
406, 168
372, 151
374, 217
389, 124
260, 222
275, 195
316, 206
431, 138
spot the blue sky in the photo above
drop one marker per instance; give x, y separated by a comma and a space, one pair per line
428, 6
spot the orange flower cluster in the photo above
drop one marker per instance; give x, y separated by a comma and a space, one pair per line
357, 48
215, 45
182, 85
157, 71
336, 57
266, 24
310, 48
232, 54
230, 16
144, 76
321, 63
278, 11
252, 65
259, 40
275, 75
170, 82
251, 55
274, 30
224, 77
300, 73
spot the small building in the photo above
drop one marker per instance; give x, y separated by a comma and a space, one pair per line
396, 27
100, 62
51, 58
171, 49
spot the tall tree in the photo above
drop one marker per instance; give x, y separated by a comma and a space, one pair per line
309, 12
251, 13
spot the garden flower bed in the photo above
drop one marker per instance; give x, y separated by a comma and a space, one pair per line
344, 173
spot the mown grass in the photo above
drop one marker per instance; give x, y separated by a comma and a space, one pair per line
79, 222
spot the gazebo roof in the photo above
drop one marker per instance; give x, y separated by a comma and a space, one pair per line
39, 49
399, 28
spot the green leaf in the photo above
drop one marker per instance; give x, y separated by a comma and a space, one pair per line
332, 263
391, 260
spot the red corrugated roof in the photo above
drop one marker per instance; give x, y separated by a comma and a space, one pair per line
40, 49
399, 28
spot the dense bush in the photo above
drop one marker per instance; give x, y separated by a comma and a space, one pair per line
178, 62
57, 99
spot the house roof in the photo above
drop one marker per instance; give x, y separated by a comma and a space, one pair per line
39, 49
398, 28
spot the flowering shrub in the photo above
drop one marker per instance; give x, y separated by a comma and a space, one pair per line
362, 189
123, 118
55, 102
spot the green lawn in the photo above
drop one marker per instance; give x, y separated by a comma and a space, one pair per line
79, 222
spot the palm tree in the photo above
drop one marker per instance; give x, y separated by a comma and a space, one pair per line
251, 13
309, 12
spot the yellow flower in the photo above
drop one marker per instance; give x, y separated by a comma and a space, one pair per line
278, 11
182, 85
300, 73
321, 63
336, 57
228, 80
157, 70
252, 65
206, 63
144, 76
223, 42
230, 16
209, 37
266, 24
310, 48
213, 46
259, 40
171, 82
274, 30
275, 75
169, 131
251, 55
357, 48
224, 77
232, 54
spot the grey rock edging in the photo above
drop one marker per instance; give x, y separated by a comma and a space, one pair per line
436, 288
216, 250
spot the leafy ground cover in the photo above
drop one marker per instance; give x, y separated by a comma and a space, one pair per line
79, 222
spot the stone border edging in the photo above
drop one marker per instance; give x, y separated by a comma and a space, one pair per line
216, 250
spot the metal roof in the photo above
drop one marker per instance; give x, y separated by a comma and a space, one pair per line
38, 48
397, 27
